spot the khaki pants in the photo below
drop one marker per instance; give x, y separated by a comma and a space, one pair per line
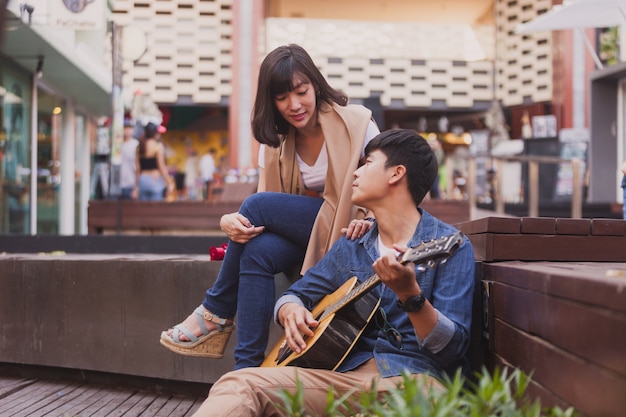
254, 392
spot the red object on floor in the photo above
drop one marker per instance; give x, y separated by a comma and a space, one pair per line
217, 252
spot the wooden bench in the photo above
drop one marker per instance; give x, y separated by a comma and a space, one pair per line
105, 312
550, 301
175, 217
450, 211
555, 306
201, 217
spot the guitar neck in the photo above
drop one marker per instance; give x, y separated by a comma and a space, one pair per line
428, 252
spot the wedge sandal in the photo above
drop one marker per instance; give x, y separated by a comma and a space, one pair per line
211, 344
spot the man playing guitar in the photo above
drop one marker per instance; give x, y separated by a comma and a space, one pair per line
421, 317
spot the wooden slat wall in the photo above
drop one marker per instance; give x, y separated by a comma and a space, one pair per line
551, 239
555, 306
174, 216
153, 217
187, 217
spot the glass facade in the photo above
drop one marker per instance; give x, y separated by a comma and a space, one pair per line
49, 125
15, 156
15, 109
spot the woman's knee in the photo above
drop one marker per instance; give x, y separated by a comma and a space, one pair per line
256, 199
271, 253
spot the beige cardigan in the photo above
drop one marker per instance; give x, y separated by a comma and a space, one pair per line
344, 131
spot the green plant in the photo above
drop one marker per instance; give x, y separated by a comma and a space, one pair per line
500, 394
609, 45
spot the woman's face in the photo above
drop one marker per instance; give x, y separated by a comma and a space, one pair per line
298, 106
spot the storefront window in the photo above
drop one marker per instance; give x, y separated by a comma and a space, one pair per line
15, 93
49, 125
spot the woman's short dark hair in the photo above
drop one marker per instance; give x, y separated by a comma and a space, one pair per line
276, 77
406, 147
150, 130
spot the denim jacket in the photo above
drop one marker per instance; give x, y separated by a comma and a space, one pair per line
448, 286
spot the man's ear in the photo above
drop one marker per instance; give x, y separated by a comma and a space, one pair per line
399, 172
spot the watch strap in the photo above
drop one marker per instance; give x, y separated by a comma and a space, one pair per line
412, 304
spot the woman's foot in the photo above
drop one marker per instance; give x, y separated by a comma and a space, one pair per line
193, 326
201, 334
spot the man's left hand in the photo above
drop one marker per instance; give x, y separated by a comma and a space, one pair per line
396, 276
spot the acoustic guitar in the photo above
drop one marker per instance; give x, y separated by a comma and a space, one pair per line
344, 314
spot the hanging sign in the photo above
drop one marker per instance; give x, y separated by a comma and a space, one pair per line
77, 14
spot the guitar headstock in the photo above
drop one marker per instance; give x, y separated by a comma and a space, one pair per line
433, 250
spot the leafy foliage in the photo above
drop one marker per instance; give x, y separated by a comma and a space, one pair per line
500, 394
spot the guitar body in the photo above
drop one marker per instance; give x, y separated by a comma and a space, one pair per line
335, 335
343, 315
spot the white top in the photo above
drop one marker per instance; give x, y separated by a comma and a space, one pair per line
382, 249
207, 167
127, 167
191, 171
314, 177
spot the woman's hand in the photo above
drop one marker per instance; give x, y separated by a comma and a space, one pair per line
357, 228
297, 322
238, 228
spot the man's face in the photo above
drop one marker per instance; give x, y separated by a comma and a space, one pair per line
371, 180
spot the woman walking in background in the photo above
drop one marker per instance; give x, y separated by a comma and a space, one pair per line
152, 175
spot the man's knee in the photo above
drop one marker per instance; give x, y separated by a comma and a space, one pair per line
254, 384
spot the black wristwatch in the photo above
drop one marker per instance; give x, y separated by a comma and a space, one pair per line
413, 304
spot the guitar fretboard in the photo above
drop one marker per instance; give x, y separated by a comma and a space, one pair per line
353, 294
425, 252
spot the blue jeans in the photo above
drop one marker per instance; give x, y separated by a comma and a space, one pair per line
150, 188
127, 193
245, 283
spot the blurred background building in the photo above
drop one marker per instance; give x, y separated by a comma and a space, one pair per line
457, 70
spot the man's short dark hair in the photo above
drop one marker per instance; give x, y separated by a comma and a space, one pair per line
406, 147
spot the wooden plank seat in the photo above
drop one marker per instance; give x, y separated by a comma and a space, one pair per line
554, 306
450, 211
175, 217
547, 239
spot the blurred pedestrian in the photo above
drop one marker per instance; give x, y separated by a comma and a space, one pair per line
435, 145
207, 169
191, 175
128, 168
152, 176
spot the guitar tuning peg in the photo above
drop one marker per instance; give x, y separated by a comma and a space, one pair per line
431, 264
421, 268
443, 261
